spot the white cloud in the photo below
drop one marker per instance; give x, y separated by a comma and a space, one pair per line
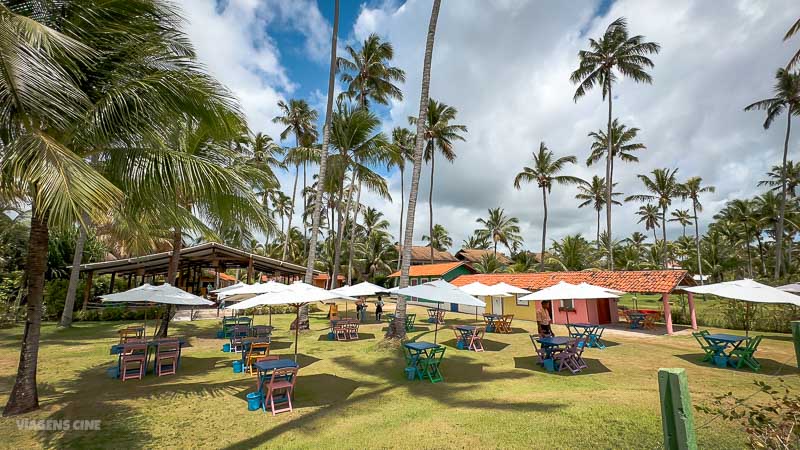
505, 66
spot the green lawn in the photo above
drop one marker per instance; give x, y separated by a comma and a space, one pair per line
354, 395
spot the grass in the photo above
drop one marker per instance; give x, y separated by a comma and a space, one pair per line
354, 395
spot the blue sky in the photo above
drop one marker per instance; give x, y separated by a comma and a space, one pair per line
505, 66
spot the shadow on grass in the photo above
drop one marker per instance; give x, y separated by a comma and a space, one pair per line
531, 363
361, 337
769, 366
606, 343
786, 338
488, 345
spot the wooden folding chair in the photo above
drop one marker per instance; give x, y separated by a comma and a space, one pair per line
134, 361
282, 382
257, 350
167, 354
352, 330
476, 339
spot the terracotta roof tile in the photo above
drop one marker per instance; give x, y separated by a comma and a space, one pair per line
429, 270
423, 253
642, 281
474, 255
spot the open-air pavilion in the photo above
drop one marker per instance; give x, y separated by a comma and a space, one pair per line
192, 262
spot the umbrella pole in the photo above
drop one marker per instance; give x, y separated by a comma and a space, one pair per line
270, 316
747, 319
296, 331
436, 330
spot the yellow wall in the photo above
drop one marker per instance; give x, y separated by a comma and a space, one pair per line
510, 307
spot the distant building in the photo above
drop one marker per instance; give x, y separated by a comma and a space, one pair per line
323, 281
422, 255
473, 256
431, 272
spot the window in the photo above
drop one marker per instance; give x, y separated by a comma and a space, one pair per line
567, 304
414, 281
521, 302
423, 280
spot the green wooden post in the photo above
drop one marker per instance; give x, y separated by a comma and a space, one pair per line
676, 410
796, 339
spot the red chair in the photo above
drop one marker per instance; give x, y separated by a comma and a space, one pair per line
280, 389
167, 355
133, 365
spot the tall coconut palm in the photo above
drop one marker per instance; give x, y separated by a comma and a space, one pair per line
662, 188
692, 189
795, 59
282, 206
623, 143
648, 214
367, 74
500, 228
401, 151
787, 98
440, 135
479, 240
683, 218
439, 240
545, 172
397, 329
594, 194
96, 79
614, 52
741, 212
489, 264
792, 178
300, 120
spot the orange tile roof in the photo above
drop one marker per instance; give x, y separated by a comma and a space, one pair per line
640, 281
429, 270
226, 277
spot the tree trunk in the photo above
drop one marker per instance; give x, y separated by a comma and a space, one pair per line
402, 204
609, 184
697, 241
24, 395
74, 275
343, 219
430, 200
779, 230
172, 276
353, 237
664, 234
291, 213
598, 230
761, 254
326, 138
544, 229
397, 329
266, 211
749, 255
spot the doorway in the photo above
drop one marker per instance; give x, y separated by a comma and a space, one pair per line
603, 311
497, 306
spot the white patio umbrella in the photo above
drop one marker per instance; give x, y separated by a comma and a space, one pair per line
748, 291
228, 288
568, 291
296, 294
248, 291
479, 289
363, 289
439, 292
165, 294
794, 288
511, 289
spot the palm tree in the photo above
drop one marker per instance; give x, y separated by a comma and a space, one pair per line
479, 240
398, 329
615, 50
489, 264
621, 139
594, 194
683, 217
573, 253
323, 165
692, 189
367, 74
523, 262
794, 29
545, 173
300, 120
400, 152
439, 240
69, 95
787, 97
439, 135
649, 215
376, 254
662, 188
282, 206
500, 228
792, 178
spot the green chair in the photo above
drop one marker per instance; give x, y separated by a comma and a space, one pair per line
708, 348
430, 365
744, 355
410, 318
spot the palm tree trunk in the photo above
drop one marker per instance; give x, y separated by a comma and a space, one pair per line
24, 395
598, 230
75, 274
747, 247
609, 184
402, 205
697, 241
397, 329
430, 200
305, 202
291, 213
172, 276
353, 237
343, 219
779, 230
761, 254
266, 212
544, 228
664, 233
323, 164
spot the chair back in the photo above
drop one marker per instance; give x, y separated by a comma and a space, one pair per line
478, 332
138, 348
456, 332
754, 343
258, 348
262, 330
167, 345
534, 341
436, 355
701, 338
284, 374
240, 331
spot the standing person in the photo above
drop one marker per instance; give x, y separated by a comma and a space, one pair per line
543, 319
378, 309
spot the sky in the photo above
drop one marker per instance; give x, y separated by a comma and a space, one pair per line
505, 66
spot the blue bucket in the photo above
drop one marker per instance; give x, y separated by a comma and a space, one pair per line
330, 336
460, 345
220, 334
254, 401
721, 361
226, 348
237, 366
410, 373
112, 372
550, 365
